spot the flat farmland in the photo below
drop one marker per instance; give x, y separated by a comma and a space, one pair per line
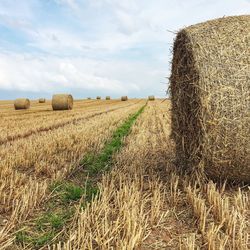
103, 176
20, 123
40, 145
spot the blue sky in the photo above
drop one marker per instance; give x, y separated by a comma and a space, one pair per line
95, 47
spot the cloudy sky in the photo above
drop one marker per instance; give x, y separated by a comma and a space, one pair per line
95, 47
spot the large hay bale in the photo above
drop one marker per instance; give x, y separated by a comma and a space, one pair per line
210, 92
62, 102
98, 98
151, 98
124, 98
42, 100
22, 103
108, 98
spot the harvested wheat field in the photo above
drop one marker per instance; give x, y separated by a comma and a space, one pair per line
106, 179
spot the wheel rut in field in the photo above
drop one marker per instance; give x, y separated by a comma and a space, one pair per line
79, 186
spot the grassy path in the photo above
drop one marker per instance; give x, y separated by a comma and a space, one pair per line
131, 201
103, 161
79, 188
29, 165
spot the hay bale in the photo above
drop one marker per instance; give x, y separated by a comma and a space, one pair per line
22, 103
151, 98
98, 98
210, 90
62, 102
42, 100
124, 98
108, 98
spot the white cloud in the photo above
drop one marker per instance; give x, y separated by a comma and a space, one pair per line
16, 13
37, 73
90, 48
130, 23
47, 73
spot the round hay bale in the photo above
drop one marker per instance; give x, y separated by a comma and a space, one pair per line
108, 98
42, 100
62, 102
22, 103
98, 98
210, 90
124, 98
151, 98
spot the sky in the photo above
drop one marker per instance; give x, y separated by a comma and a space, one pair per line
95, 47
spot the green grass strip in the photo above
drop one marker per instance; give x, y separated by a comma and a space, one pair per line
61, 208
103, 161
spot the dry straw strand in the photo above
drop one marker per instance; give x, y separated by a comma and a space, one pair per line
210, 93
62, 102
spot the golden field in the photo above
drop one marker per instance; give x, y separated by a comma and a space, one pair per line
141, 202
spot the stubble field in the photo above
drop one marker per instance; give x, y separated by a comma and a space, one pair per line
103, 176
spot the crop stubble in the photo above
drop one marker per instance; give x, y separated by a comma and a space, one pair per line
29, 164
145, 204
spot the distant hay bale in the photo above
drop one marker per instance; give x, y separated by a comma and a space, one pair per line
124, 98
98, 98
22, 103
108, 98
210, 90
42, 100
151, 98
62, 102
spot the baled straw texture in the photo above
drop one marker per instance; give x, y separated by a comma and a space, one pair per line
108, 98
22, 103
98, 98
151, 98
42, 100
62, 102
210, 92
124, 98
